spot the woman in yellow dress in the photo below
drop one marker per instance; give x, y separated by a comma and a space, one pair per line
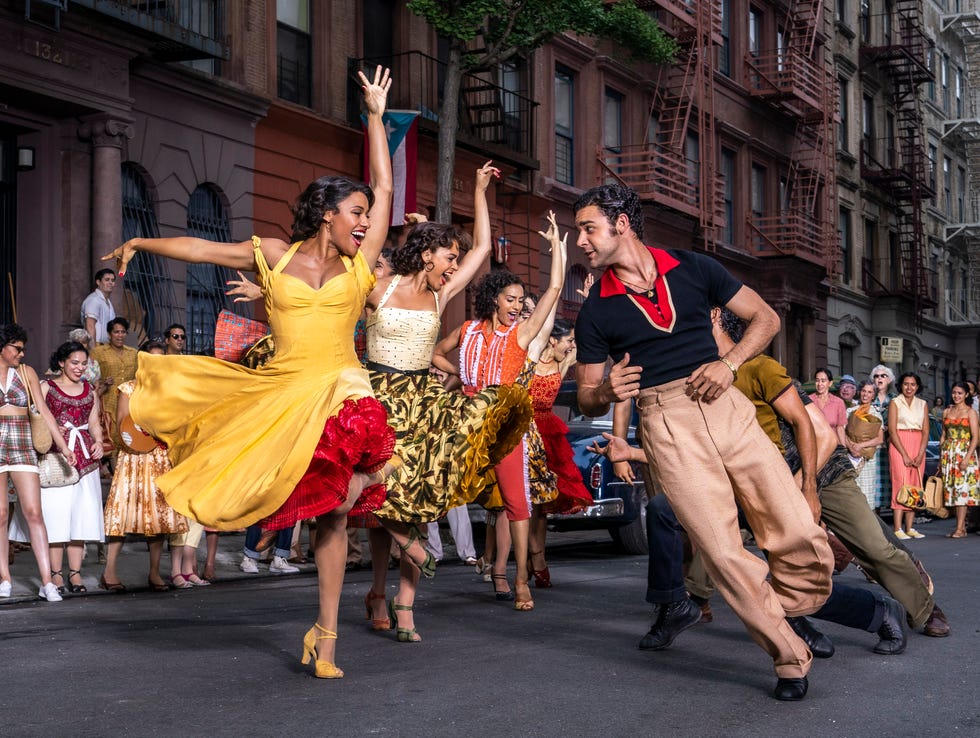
301, 436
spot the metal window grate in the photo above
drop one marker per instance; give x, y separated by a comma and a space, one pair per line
149, 300
207, 219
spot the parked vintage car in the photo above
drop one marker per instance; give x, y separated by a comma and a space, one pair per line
618, 507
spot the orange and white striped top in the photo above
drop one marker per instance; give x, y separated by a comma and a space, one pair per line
488, 357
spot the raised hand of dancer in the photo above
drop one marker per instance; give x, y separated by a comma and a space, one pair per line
243, 289
552, 234
376, 91
484, 174
587, 285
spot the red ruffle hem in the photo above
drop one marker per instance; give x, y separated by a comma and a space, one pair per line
356, 439
572, 494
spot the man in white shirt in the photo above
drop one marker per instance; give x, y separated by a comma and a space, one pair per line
97, 311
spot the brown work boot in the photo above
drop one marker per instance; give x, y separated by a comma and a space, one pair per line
926, 579
842, 557
706, 614
936, 626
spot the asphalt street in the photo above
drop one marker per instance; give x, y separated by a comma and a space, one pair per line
224, 660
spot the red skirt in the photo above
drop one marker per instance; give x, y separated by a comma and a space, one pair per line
572, 494
356, 439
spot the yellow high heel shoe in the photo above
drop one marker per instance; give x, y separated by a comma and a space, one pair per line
323, 669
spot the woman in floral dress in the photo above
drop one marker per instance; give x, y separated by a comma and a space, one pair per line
958, 457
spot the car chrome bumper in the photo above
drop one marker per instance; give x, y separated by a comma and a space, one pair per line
601, 509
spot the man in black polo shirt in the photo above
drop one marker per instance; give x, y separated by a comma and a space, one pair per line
651, 312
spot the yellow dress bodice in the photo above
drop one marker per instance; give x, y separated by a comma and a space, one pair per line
240, 439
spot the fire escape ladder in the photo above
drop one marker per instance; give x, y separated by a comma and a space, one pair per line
966, 127
902, 58
666, 170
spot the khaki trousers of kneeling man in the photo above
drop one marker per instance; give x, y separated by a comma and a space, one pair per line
708, 456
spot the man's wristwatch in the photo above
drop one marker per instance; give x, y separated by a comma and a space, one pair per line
730, 365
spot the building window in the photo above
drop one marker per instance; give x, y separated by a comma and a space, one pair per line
872, 252
294, 48
961, 195
868, 126
948, 187
612, 122
728, 174
958, 91
842, 135
864, 21
564, 127
149, 301
933, 156
890, 153
840, 11
725, 52
944, 80
206, 218
575, 281
755, 31
846, 245
931, 64
692, 152
512, 78
758, 198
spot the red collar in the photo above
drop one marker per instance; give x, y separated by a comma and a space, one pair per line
610, 284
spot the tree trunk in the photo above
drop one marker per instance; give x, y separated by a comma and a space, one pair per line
448, 123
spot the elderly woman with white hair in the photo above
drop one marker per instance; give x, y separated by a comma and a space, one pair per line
92, 375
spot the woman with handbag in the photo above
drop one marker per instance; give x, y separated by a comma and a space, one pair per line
73, 511
18, 459
958, 457
908, 437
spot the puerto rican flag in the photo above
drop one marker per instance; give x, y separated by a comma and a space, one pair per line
402, 127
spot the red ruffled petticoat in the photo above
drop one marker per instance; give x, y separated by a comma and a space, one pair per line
572, 494
356, 439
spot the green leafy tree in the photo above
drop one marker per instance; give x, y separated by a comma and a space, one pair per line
509, 28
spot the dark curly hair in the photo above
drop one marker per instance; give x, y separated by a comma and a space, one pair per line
733, 325
487, 289
322, 196
407, 258
117, 321
63, 352
613, 199
561, 328
12, 332
151, 344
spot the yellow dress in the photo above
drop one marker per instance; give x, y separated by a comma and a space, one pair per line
241, 439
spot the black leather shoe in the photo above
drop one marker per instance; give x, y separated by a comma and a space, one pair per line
820, 645
672, 620
790, 690
894, 630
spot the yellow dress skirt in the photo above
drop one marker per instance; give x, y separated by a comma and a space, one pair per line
449, 442
278, 443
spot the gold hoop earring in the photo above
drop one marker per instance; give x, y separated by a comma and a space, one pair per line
429, 266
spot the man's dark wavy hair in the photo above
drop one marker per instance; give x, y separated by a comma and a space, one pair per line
322, 196
613, 199
407, 258
487, 289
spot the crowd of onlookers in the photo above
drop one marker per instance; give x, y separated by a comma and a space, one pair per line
887, 427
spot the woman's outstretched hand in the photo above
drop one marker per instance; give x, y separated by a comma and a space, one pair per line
123, 255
